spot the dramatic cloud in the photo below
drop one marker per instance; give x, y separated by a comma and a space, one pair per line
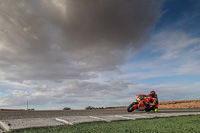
57, 53
70, 92
113, 93
70, 39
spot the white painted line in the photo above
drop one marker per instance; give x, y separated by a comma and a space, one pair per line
99, 118
64, 121
6, 127
125, 117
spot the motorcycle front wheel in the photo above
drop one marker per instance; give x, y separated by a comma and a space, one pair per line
131, 107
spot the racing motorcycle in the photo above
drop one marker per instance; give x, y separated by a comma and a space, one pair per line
142, 103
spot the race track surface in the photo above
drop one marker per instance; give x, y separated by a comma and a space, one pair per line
6, 115
13, 120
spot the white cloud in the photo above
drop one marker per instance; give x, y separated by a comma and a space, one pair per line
20, 93
79, 94
174, 44
169, 54
70, 92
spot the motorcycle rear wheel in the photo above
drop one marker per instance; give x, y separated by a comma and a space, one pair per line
131, 107
147, 110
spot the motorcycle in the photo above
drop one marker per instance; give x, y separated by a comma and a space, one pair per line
142, 103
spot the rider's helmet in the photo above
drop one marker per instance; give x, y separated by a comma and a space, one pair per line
152, 93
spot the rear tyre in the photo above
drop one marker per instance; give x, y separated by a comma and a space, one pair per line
147, 110
131, 107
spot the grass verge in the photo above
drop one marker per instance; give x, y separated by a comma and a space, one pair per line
179, 124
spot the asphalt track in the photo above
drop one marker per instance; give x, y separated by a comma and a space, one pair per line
13, 120
7, 115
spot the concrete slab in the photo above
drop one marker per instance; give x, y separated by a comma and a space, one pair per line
109, 118
138, 116
79, 119
117, 118
1, 130
4, 126
175, 114
31, 122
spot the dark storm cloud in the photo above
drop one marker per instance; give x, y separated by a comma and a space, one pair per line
108, 23
55, 40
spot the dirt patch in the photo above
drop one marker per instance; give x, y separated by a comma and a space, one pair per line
180, 104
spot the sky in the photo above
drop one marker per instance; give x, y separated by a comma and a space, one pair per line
99, 53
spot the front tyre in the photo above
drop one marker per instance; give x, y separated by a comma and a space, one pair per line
131, 107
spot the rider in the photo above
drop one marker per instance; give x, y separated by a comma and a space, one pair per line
154, 100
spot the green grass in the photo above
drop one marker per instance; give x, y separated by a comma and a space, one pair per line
180, 124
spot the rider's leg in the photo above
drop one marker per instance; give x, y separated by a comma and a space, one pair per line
147, 104
156, 108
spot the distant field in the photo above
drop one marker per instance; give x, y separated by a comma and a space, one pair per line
180, 104
183, 124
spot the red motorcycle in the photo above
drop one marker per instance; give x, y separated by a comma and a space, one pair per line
142, 103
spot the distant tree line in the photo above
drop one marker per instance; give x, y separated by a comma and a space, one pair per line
90, 107
66, 108
31, 109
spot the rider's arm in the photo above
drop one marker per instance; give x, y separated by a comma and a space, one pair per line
154, 102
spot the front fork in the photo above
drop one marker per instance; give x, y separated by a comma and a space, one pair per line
136, 106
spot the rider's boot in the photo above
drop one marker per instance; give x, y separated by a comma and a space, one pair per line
156, 110
156, 107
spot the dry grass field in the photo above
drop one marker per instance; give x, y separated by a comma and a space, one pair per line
180, 104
